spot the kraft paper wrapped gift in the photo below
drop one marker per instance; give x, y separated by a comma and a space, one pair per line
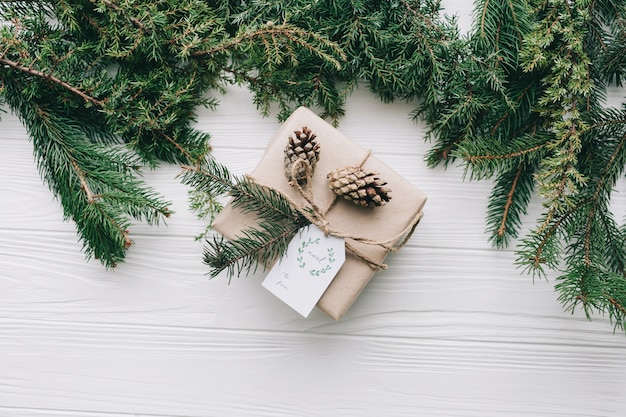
395, 220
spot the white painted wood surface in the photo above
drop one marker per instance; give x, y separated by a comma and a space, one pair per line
451, 329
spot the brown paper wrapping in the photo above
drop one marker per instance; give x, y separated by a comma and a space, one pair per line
381, 223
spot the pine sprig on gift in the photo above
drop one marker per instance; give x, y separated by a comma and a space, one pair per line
524, 105
278, 220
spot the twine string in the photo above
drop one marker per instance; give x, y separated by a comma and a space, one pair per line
317, 216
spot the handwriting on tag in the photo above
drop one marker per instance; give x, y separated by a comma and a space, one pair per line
305, 271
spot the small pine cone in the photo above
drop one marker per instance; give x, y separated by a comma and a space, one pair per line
303, 146
361, 187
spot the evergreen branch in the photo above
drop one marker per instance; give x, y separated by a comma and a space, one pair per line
597, 290
75, 169
611, 169
215, 179
617, 305
506, 115
278, 219
171, 140
52, 78
615, 238
600, 186
438, 154
265, 202
542, 245
484, 8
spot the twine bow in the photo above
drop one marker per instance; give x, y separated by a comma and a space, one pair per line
317, 216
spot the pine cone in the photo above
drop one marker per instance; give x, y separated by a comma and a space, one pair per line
303, 146
363, 188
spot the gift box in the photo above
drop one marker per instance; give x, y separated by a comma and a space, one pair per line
393, 222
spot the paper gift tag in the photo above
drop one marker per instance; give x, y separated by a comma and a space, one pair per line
302, 275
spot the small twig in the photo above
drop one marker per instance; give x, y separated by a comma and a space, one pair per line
91, 197
509, 202
176, 144
616, 304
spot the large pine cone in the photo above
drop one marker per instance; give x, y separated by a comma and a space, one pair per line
303, 145
361, 187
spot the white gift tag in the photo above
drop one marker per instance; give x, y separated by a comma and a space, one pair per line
302, 275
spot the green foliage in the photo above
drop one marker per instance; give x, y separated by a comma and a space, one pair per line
398, 48
524, 106
132, 73
104, 86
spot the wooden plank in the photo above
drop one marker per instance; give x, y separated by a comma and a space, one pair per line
450, 329
111, 368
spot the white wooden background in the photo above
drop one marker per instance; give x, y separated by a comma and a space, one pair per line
451, 329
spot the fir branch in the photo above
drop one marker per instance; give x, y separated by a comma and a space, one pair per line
596, 290
91, 197
542, 246
487, 157
475, 159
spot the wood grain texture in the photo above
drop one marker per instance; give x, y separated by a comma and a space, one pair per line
451, 329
